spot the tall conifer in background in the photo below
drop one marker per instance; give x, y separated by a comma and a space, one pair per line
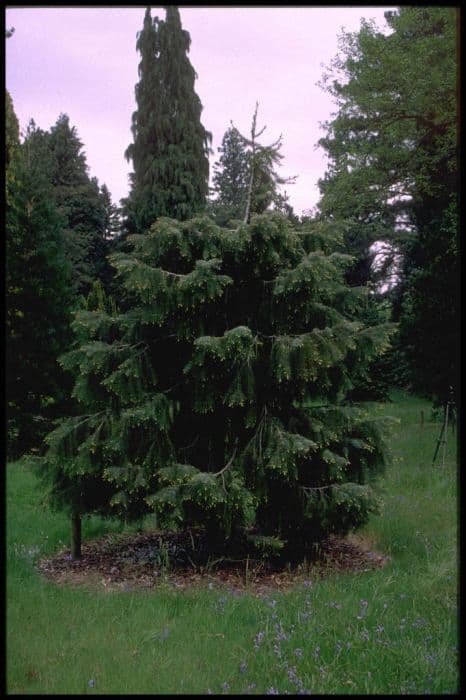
170, 147
81, 205
112, 220
246, 180
394, 176
38, 298
83, 208
230, 181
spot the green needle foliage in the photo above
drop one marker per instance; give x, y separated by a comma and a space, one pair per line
246, 180
393, 176
82, 206
170, 150
38, 297
217, 396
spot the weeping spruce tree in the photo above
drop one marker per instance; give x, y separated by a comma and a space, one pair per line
217, 396
170, 149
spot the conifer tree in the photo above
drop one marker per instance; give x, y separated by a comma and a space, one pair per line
81, 204
112, 221
216, 395
38, 300
170, 146
393, 174
246, 181
230, 181
11, 129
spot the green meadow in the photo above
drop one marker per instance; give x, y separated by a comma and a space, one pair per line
385, 631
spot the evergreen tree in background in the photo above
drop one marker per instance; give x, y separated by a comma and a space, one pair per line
38, 299
82, 206
112, 220
246, 181
393, 176
170, 146
215, 395
230, 181
263, 177
11, 130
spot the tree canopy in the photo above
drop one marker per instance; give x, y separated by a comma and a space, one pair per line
246, 180
393, 176
170, 146
38, 298
82, 206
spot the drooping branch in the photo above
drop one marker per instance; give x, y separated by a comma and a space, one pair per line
227, 465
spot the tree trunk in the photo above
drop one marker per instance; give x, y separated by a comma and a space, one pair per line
75, 536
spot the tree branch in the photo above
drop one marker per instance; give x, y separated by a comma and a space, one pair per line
227, 465
253, 159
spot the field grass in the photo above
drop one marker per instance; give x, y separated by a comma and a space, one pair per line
388, 631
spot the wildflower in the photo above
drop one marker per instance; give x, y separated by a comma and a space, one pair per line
379, 629
226, 686
317, 651
293, 676
243, 667
258, 639
338, 646
281, 636
420, 622
299, 653
277, 650
272, 691
307, 583
91, 683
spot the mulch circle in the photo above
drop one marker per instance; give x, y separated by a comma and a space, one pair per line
131, 562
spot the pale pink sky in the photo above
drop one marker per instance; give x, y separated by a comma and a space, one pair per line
83, 61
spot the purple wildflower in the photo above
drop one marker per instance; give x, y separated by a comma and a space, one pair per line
258, 639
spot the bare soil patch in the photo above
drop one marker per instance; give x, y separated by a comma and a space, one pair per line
130, 562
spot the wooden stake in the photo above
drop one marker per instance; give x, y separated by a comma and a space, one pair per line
445, 434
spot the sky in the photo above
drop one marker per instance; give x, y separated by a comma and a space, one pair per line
82, 61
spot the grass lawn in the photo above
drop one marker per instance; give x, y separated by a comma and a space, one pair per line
387, 631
